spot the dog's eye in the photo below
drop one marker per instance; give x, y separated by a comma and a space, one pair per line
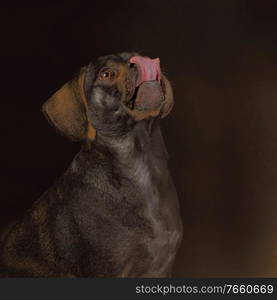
107, 73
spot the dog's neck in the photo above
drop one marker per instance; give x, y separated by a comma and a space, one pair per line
138, 155
144, 139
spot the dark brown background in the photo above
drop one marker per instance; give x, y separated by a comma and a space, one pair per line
222, 136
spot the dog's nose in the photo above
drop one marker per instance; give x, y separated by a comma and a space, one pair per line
131, 65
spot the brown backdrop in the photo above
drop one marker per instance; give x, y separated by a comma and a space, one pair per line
221, 58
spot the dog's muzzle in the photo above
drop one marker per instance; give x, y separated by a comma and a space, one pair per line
148, 94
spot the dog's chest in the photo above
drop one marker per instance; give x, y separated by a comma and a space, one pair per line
161, 248
128, 214
160, 242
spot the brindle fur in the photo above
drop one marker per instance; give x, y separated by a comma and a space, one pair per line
114, 213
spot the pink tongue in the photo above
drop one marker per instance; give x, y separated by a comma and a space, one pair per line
149, 68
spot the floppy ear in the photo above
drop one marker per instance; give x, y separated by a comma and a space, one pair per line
67, 110
168, 97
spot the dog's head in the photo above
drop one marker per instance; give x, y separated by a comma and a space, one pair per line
110, 96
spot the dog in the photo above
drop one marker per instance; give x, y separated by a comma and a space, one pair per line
115, 211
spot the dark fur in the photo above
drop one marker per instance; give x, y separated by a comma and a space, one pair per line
114, 213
